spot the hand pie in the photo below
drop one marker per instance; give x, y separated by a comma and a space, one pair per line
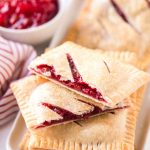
44, 103
106, 132
101, 79
113, 25
137, 13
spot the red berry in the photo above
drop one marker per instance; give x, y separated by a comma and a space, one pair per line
3, 20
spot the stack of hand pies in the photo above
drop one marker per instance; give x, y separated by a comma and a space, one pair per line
88, 98
81, 99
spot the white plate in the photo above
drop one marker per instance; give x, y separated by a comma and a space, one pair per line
141, 141
16, 134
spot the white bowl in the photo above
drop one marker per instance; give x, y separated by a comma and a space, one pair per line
35, 35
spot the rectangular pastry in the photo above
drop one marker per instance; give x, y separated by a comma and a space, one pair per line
89, 73
112, 131
113, 25
107, 132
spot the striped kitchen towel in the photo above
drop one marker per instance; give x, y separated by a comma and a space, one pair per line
14, 59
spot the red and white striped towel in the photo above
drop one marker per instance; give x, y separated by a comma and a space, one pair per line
14, 59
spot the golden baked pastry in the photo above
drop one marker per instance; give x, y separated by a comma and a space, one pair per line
102, 80
113, 25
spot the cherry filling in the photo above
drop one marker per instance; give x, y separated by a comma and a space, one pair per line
78, 84
75, 73
22, 14
67, 115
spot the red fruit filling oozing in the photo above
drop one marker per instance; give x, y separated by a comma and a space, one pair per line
78, 84
68, 116
22, 14
75, 73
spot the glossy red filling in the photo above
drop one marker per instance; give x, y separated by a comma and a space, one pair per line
22, 14
75, 73
67, 115
78, 84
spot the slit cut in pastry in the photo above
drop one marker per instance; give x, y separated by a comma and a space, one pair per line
119, 11
50, 104
118, 25
109, 131
104, 81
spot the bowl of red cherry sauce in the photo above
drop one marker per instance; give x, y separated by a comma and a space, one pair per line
30, 21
